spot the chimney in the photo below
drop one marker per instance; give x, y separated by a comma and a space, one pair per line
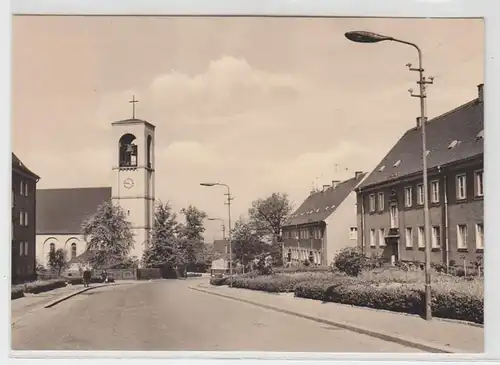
480, 92
357, 174
325, 187
335, 183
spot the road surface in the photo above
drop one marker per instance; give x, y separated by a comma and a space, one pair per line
166, 315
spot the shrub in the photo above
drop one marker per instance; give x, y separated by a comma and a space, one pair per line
350, 260
16, 292
43, 286
451, 297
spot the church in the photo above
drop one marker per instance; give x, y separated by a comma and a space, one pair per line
60, 212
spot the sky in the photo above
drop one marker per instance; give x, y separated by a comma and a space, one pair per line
261, 104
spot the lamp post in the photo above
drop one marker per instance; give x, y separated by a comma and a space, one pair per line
368, 37
228, 203
223, 226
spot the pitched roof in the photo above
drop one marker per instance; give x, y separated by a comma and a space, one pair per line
62, 211
464, 124
319, 206
17, 164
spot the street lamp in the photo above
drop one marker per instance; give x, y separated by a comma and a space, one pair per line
368, 37
228, 203
223, 226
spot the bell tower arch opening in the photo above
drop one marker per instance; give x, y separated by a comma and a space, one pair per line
127, 151
150, 152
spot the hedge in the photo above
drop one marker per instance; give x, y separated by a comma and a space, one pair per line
94, 279
406, 298
43, 286
16, 293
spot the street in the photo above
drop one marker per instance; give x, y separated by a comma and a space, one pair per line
167, 315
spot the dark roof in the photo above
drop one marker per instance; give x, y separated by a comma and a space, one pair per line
461, 124
319, 206
17, 164
220, 246
62, 211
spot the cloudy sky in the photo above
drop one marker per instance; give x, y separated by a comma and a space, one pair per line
261, 104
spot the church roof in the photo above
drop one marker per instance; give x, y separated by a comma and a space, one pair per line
62, 211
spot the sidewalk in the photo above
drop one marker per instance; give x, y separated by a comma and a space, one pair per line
446, 335
32, 302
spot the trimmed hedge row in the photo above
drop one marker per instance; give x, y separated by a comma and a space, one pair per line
452, 304
43, 286
93, 280
16, 293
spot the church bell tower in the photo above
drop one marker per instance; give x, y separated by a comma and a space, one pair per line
133, 186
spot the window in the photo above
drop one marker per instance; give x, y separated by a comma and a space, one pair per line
408, 196
25, 248
26, 219
420, 194
23, 218
23, 188
453, 144
381, 237
409, 237
435, 191
372, 237
396, 164
479, 183
394, 216
73, 250
436, 237
380, 201
21, 248
52, 247
421, 237
462, 236
13, 198
353, 233
461, 186
372, 202
479, 236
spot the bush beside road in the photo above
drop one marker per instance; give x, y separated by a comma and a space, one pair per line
389, 289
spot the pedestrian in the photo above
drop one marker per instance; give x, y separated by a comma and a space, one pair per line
86, 278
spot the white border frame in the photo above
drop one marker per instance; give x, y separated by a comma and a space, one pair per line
345, 8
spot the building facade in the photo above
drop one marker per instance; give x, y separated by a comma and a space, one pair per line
323, 224
390, 200
23, 253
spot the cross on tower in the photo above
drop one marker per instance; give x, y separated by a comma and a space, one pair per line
133, 101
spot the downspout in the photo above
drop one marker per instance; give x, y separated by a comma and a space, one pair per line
446, 224
362, 223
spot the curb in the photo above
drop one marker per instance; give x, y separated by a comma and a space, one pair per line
409, 342
62, 299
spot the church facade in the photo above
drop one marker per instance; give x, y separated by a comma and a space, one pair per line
60, 212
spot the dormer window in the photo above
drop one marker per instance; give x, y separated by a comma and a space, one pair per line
427, 152
480, 134
453, 144
317, 210
396, 164
381, 168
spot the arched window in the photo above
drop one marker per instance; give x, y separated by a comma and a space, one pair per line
52, 247
150, 152
127, 151
73, 250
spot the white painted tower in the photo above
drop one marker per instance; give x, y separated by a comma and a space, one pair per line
133, 186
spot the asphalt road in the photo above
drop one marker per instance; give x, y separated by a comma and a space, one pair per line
167, 316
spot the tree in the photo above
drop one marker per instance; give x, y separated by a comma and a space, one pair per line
108, 235
270, 214
247, 242
162, 249
268, 217
57, 260
190, 235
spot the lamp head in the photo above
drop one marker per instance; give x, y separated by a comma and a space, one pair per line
208, 184
360, 36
